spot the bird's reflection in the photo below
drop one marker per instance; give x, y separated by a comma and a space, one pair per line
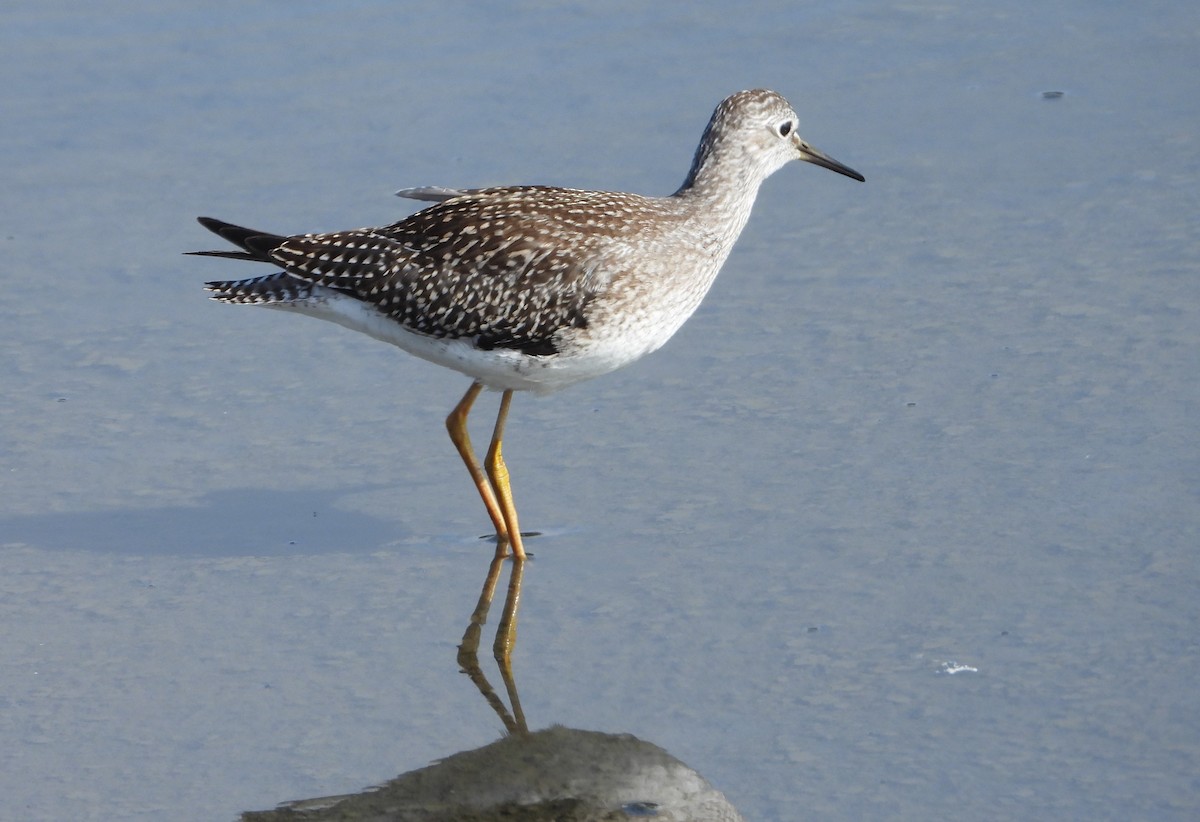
560, 774
502, 647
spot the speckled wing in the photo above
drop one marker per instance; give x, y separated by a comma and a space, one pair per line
473, 266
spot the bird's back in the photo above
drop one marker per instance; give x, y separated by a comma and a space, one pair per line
532, 286
515, 267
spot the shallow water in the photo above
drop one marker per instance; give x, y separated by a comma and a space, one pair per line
941, 421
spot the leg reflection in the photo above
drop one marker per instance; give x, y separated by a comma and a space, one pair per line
506, 639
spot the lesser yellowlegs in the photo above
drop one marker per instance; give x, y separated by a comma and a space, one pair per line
531, 288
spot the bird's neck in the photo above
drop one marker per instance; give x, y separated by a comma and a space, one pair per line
719, 193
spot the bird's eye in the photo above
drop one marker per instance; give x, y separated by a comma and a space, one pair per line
785, 128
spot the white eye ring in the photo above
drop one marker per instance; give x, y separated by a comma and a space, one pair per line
785, 128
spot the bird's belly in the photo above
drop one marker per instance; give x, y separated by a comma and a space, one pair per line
606, 345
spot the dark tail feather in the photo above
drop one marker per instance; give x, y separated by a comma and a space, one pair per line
255, 245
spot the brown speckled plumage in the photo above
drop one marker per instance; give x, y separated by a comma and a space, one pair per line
532, 269
531, 287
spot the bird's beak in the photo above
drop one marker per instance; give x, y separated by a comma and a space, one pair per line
811, 155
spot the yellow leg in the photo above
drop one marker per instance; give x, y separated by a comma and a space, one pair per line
456, 425
497, 472
496, 491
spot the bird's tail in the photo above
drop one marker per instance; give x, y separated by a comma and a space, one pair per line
256, 245
278, 289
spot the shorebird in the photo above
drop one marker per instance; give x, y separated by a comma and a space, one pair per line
531, 288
